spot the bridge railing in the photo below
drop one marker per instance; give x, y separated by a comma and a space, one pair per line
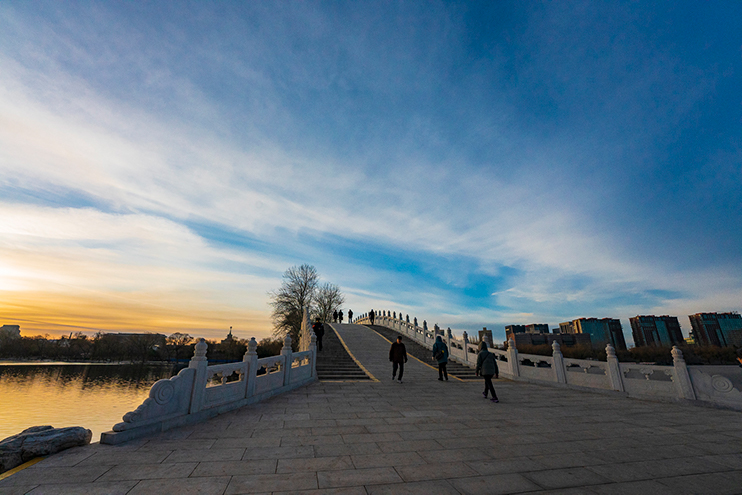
201, 391
712, 385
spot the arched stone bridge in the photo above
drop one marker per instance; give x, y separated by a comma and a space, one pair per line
422, 436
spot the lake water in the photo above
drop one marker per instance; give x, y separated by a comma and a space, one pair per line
95, 396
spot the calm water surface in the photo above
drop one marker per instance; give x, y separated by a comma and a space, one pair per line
95, 396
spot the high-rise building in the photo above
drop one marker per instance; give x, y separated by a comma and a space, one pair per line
719, 329
602, 331
533, 328
656, 330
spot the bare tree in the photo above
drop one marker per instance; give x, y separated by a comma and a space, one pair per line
329, 298
298, 289
178, 341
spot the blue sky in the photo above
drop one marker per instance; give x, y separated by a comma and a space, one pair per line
473, 164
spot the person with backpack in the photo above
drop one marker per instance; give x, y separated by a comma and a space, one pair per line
371, 316
340, 316
440, 354
350, 316
487, 367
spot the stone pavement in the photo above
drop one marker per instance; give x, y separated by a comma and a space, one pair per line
421, 436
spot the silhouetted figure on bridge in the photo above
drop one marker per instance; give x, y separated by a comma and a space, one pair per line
319, 331
340, 316
487, 367
335, 316
440, 354
350, 316
371, 316
398, 357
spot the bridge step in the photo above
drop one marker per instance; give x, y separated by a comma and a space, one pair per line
334, 363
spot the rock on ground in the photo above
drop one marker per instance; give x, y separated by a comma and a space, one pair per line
40, 441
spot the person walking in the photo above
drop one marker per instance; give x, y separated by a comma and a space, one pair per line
487, 367
440, 354
350, 316
335, 316
371, 315
340, 316
319, 332
398, 357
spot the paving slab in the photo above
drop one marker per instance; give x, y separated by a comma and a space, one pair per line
421, 436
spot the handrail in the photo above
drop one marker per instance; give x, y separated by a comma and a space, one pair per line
187, 397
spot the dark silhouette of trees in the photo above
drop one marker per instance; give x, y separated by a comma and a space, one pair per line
298, 289
329, 298
177, 342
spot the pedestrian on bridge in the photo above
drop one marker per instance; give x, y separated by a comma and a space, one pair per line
487, 367
350, 316
335, 316
319, 332
398, 357
340, 316
440, 354
371, 315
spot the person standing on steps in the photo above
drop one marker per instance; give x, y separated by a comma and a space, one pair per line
371, 315
335, 316
319, 331
340, 316
350, 316
398, 357
487, 367
440, 354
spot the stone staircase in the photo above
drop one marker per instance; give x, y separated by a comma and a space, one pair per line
423, 354
334, 363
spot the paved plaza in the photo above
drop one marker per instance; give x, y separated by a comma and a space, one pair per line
421, 436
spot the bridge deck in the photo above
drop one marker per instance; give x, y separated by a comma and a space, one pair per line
421, 436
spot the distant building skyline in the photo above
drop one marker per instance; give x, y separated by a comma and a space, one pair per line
601, 331
650, 330
719, 329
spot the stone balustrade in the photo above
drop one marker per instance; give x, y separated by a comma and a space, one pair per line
710, 385
201, 391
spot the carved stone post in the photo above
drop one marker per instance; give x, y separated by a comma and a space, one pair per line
306, 327
560, 373
251, 358
448, 338
313, 354
199, 363
614, 370
287, 359
682, 377
513, 358
465, 337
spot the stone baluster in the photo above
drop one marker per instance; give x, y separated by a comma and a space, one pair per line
513, 358
448, 338
560, 372
251, 358
614, 369
287, 359
313, 354
199, 363
682, 377
465, 338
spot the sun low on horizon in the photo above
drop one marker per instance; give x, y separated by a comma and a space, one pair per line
470, 164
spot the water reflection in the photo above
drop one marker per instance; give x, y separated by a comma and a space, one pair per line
95, 396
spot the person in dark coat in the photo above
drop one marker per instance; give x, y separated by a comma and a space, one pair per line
319, 331
440, 354
350, 316
398, 357
335, 316
340, 316
371, 315
487, 367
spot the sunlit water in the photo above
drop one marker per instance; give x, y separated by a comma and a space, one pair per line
95, 396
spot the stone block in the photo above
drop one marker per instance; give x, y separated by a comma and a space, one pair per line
39, 441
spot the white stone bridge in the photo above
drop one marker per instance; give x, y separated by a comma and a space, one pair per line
421, 436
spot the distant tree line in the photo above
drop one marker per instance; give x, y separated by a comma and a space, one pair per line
112, 347
646, 354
